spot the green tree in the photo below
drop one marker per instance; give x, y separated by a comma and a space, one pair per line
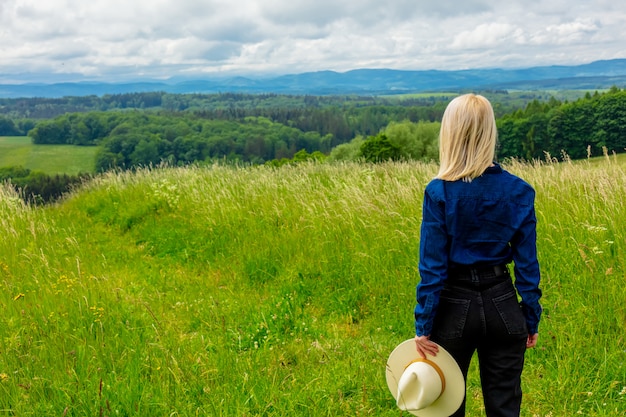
610, 114
350, 151
51, 132
37, 187
302, 156
380, 149
417, 141
146, 153
8, 128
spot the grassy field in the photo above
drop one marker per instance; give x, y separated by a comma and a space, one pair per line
281, 292
50, 159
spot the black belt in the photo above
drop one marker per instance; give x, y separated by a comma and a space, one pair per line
483, 277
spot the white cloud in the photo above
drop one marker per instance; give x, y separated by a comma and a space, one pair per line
566, 33
487, 35
128, 38
576, 31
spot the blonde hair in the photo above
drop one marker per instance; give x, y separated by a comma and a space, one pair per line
467, 139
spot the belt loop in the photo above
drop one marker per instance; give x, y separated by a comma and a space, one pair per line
475, 276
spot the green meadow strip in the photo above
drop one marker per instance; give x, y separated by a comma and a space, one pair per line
49, 159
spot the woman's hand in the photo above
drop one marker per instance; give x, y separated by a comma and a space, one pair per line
425, 346
531, 342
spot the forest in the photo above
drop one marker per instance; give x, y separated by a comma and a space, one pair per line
140, 129
581, 128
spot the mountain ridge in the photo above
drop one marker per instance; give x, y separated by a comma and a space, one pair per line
594, 75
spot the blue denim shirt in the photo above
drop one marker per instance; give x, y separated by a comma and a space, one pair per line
488, 221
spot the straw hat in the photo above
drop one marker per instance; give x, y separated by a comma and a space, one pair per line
431, 387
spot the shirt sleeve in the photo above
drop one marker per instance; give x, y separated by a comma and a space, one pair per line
526, 269
433, 262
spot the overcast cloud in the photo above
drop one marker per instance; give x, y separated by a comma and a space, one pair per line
122, 39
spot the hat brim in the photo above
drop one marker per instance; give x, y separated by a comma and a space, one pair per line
450, 400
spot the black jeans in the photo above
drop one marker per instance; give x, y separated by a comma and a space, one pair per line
485, 317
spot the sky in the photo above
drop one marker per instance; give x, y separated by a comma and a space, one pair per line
117, 40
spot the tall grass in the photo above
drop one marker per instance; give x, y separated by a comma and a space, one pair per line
259, 291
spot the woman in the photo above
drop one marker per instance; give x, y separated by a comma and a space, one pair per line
478, 218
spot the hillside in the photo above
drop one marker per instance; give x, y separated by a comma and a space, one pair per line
260, 291
592, 76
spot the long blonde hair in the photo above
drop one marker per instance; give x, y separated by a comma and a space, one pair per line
467, 139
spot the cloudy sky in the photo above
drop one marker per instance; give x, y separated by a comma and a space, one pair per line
124, 39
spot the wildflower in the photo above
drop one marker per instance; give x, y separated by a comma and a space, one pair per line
98, 313
593, 228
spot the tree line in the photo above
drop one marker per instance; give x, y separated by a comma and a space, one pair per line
131, 139
254, 104
36, 187
47, 108
257, 134
248, 132
342, 116
252, 133
590, 124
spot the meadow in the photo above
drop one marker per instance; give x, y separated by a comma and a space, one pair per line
49, 159
281, 291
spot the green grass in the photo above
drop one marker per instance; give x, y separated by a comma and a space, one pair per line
50, 159
275, 292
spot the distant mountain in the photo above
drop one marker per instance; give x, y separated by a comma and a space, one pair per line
595, 75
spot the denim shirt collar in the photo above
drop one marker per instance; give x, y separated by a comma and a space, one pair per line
494, 169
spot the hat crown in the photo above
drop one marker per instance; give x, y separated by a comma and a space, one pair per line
417, 389
419, 386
